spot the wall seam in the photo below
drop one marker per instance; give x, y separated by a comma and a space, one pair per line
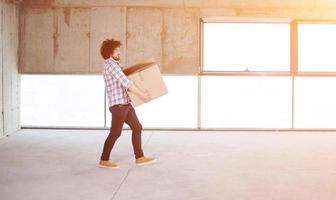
2, 76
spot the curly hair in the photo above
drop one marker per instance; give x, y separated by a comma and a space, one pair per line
108, 47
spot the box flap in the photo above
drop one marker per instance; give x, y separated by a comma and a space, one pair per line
138, 67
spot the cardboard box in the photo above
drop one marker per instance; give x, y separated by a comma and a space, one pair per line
147, 77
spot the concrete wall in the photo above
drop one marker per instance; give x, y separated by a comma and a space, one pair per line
63, 36
1, 73
9, 79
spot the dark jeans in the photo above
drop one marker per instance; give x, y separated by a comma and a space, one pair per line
122, 113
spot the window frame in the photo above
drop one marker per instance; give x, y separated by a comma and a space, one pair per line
293, 46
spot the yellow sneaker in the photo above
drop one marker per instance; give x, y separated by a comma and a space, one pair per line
144, 160
107, 164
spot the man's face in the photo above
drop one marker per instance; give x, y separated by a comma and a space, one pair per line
116, 54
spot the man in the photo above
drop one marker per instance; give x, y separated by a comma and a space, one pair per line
117, 85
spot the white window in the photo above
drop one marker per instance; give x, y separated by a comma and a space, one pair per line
315, 102
62, 100
317, 47
246, 46
246, 102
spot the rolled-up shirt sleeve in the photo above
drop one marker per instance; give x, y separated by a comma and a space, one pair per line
117, 73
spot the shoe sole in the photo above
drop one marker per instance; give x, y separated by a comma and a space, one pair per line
146, 163
103, 166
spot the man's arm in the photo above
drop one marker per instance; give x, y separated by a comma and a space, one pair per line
116, 72
144, 96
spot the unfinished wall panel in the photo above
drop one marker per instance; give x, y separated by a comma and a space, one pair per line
137, 3
11, 92
181, 41
249, 3
106, 23
38, 52
188, 3
72, 42
144, 29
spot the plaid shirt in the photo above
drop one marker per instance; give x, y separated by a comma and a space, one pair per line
116, 83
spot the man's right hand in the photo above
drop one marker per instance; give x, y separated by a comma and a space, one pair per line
145, 97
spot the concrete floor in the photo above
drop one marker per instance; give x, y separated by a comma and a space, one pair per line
61, 164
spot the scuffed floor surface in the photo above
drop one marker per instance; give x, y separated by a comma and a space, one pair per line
62, 165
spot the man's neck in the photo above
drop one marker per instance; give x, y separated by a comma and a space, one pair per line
114, 59
117, 61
